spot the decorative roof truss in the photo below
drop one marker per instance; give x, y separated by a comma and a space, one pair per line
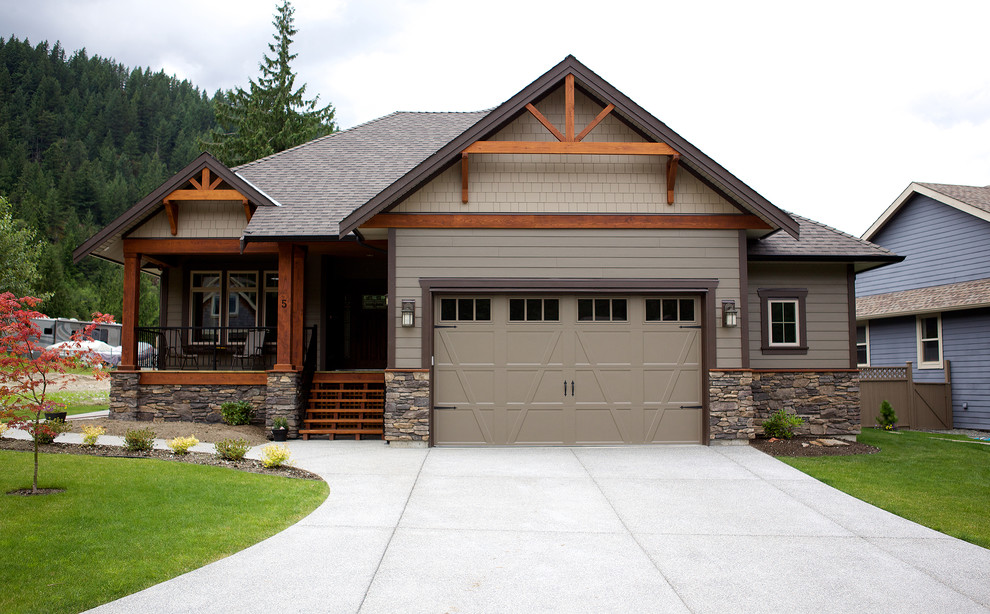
206, 187
569, 143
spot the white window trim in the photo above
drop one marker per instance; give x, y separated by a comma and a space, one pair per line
932, 364
865, 325
797, 322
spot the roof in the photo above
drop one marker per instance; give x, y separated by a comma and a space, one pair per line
819, 242
322, 181
692, 158
974, 200
948, 297
150, 204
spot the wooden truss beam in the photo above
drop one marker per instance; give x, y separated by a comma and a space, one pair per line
672, 176
172, 212
569, 106
546, 122
204, 188
598, 119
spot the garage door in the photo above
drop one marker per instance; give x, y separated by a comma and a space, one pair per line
567, 370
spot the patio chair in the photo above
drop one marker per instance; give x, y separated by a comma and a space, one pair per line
254, 347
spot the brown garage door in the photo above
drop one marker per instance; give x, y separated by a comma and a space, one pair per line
567, 370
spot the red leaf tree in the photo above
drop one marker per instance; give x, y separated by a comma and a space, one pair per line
28, 368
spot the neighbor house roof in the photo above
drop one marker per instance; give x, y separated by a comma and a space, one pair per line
321, 182
974, 200
820, 243
948, 297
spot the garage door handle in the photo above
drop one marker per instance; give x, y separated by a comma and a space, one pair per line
692, 406
572, 387
444, 407
689, 326
565, 387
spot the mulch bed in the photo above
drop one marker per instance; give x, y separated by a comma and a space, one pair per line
196, 458
811, 446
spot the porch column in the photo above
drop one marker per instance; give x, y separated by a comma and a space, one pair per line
128, 334
283, 354
298, 304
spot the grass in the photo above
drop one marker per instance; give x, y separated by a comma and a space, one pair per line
125, 524
944, 485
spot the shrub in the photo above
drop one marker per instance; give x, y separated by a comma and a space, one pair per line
181, 445
236, 413
3, 429
887, 418
92, 433
46, 432
231, 449
781, 425
276, 455
142, 440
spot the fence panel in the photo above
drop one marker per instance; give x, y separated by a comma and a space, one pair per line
918, 405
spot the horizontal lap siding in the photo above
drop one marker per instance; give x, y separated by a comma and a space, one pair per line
827, 315
942, 245
967, 347
596, 254
173, 296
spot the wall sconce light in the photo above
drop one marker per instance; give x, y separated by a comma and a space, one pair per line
730, 317
408, 313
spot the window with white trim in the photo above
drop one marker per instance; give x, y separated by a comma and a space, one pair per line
863, 345
784, 322
930, 342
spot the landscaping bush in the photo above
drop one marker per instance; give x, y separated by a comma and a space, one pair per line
275, 455
3, 429
181, 445
887, 418
781, 425
141, 440
231, 449
236, 413
46, 432
92, 433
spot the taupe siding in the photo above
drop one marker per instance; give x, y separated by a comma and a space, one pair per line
566, 184
197, 219
827, 315
173, 294
605, 254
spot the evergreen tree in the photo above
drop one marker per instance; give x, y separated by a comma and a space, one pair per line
271, 116
20, 252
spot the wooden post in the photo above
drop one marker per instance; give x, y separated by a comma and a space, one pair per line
298, 304
283, 353
131, 315
912, 422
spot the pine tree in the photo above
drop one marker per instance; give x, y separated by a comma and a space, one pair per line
271, 116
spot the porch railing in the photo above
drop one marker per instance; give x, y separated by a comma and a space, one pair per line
212, 348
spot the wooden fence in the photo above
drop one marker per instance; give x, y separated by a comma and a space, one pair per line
919, 405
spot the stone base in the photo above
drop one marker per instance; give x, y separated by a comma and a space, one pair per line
407, 406
407, 444
741, 400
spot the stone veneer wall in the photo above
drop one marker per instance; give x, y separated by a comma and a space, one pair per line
741, 399
285, 398
407, 405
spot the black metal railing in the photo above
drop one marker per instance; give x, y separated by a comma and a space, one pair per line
212, 348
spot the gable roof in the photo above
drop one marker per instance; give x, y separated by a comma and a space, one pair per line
322, 181
149, 205
933, 299
692, 159
818, 242
968, 199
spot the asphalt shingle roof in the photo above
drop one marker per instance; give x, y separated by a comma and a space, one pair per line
319, 183
816, 240
960, 295
971, 195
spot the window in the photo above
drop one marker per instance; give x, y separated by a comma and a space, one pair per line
534, 310
271, 298
863, 345
231, 299
205, 309
602, 310
784, 323
930, 342
466, 309
242, 303
670, 310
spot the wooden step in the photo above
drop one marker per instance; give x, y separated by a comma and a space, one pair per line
341, 421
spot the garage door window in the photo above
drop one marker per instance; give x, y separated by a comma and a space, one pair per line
534, 310
670, 310
466, 309
602, 310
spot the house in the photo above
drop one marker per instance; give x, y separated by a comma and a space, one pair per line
935, 305
562, 269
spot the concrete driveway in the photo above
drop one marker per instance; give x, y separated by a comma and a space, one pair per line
662, 529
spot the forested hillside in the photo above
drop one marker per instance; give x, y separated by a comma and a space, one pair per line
81, 140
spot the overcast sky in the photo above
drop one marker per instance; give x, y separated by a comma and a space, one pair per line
829, 110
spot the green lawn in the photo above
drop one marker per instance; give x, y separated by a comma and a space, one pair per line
944, 485
125, 524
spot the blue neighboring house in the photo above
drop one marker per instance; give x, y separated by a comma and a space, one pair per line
935, 304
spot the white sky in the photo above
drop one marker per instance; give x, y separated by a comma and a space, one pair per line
828, 110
